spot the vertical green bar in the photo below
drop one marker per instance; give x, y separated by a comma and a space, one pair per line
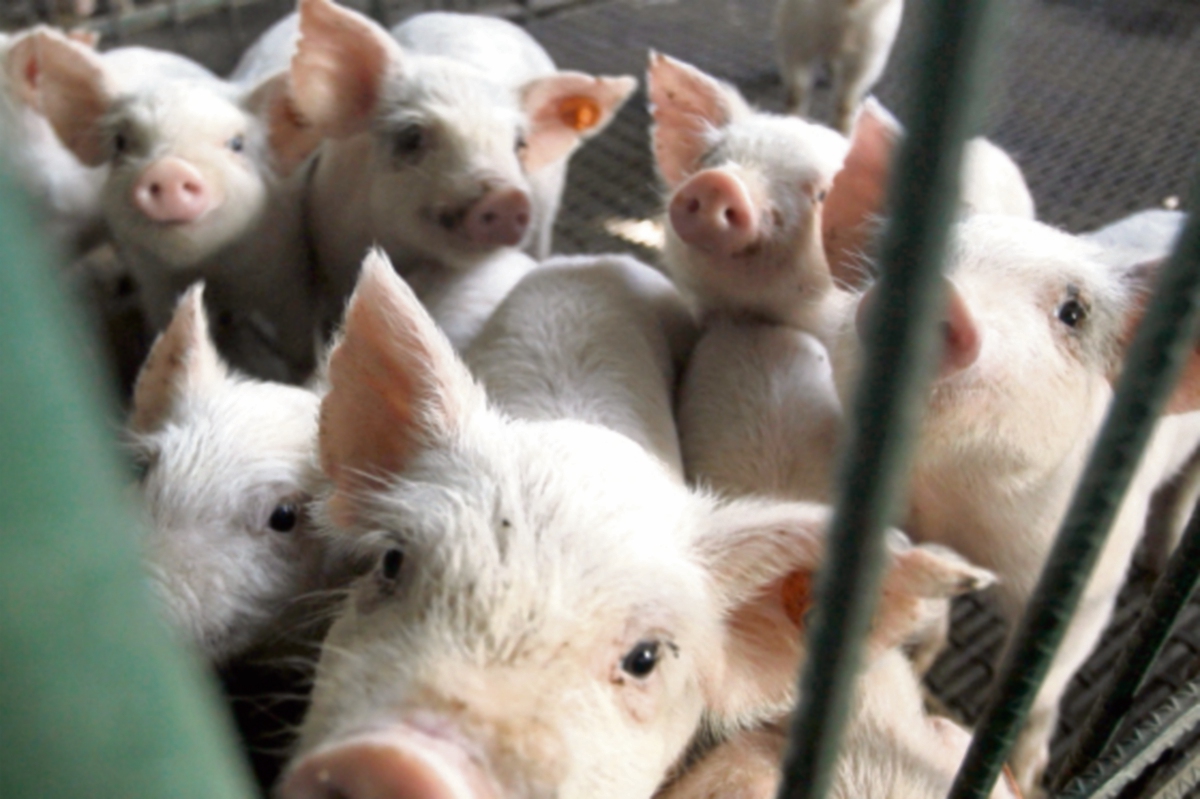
899, 351
1155, 359
95, 700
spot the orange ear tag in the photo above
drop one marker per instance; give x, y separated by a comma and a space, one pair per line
579, 113
797, 596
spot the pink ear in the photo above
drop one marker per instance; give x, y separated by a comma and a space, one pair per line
859, 191
291, 138
84, 36
183, 360
342, 63
917, 575
1143, 278
761, 559
67, 83
396, 388
567, 107
688, 106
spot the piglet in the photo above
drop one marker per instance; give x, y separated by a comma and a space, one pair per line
853, 38
198, 187
547, 599
1034, 336
227, 473
448, 143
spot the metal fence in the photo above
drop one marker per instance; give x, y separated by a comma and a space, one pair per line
95, 702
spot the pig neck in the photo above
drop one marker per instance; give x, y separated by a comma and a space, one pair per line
261, 283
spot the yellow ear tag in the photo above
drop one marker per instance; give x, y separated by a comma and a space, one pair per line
579, 113
797, 596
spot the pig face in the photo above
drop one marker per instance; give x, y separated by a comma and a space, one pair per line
1034, 331
192, 160
547, 601
227, 472
746, 193
450, 149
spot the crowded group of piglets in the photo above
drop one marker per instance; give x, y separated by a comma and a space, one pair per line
564, 513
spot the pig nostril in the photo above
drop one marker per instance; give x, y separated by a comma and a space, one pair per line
489, 218
693, 206
731, 216
522, 219
446, 220
192, 188
155, 190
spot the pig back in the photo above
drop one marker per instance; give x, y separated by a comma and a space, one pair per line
595, 339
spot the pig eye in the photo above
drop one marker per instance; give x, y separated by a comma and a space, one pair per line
237, 143
641, 660
821, 195
409, 142
389, 567
284, 518
140, 467
521, 145
1072, 313
120, 144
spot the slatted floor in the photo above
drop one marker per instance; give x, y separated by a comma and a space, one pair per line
1098, 101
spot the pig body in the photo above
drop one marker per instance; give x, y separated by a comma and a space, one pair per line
197, 187
1035, 331
853, 38
548, 599
599, 339
457, 149
228, 472
270, 54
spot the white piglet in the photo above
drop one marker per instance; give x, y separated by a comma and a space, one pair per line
447, 150
1034, 336
853, 38
228, 469
198, 187
548, 600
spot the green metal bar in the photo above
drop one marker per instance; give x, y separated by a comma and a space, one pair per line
1169, 722
1154, 362
899, 350
1169, 598
95, 699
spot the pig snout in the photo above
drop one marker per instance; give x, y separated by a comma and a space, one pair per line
960, 335
172, 190
713, 212
395, 763
499, 218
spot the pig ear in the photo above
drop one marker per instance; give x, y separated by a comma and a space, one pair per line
763, 563
858, 193
68, 84
688, 107
291, 138
396, 388
183, 360
342, 64
1143, 278
566, 108
84, 36
916, 576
